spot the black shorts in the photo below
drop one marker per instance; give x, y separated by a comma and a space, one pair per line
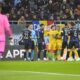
64, 44
73, 43
41, 46
29, 44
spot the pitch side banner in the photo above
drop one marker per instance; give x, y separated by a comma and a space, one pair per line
14, 52
16, 32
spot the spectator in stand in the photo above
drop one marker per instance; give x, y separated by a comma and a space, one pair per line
77, 12
43, 9
22, 20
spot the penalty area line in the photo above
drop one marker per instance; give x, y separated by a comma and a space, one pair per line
45, 73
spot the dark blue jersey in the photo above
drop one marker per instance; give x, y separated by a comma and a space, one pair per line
26, 34
73, 33
40, 35
65, 34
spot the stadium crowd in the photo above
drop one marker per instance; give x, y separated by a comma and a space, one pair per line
42, 9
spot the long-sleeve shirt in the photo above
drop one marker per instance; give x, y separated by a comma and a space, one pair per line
4, 25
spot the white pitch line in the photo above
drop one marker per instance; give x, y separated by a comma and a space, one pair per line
47, 73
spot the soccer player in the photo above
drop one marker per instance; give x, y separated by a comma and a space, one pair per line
58, 42
4, 25
65, 31
40, 42
52, 42
78, 27
73, 43
34, 40
28, 42
46, 39
79, 43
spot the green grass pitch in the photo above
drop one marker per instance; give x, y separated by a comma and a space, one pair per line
39, 70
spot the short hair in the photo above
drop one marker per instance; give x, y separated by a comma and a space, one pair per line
65, 24
41, 25
72, 23
52, 26
28, 24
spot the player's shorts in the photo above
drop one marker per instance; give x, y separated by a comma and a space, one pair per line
73, 43
41, 45
59, 44
79, 46
64, 44
29, 44
52, 45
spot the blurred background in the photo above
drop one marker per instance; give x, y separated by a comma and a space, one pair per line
42, 9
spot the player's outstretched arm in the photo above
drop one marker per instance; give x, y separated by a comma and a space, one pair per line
8, 30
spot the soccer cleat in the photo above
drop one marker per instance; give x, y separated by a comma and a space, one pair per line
61, 58
25, 59
53, 59
28, 59
70, 59
78, 59
45, 59
1, 57
38, 59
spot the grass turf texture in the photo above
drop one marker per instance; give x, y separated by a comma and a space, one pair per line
18, 70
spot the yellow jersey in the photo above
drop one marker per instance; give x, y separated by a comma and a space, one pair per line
45, 32
61, 26
52, 35
59, 34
